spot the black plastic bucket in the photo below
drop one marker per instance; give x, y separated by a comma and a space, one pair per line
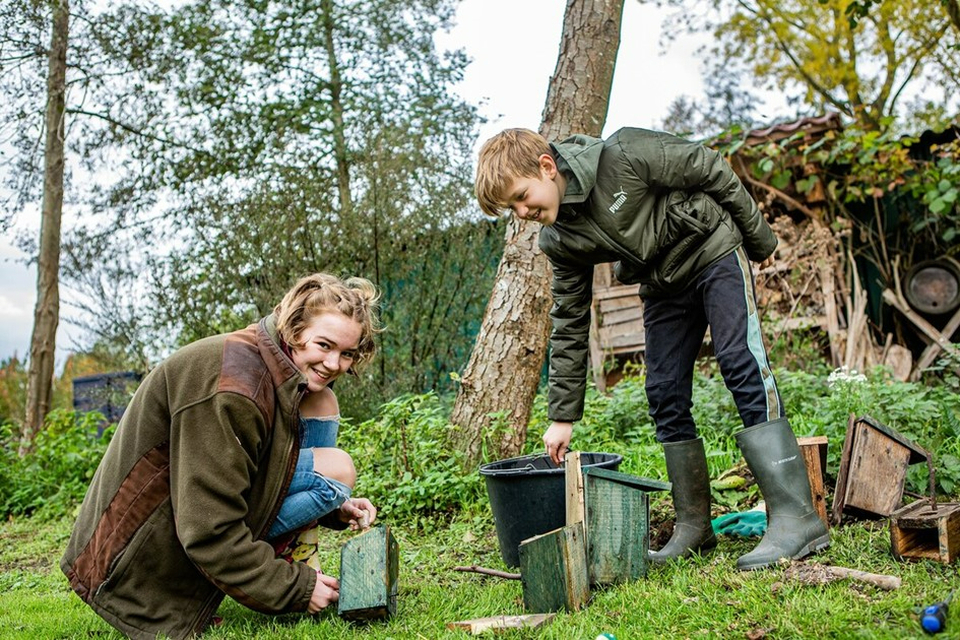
528, 497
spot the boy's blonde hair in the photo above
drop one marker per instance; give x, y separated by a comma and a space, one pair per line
321, 293
511, 154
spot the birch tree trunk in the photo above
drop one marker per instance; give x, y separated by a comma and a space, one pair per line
500, 381
46, 315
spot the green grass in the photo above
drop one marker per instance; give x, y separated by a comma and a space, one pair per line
698, 598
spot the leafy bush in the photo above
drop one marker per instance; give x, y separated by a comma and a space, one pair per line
406, 467
404, 464
816, 404
54, 476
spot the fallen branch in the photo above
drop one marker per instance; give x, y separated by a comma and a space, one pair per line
888, 583
814, 573
489, 572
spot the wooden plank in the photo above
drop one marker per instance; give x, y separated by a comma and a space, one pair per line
618, 519
573, 478
814, 451
619, 291
616, 304
637, 482
933, 349
553, 569
630, 331
620, 342
496, 623
840, 490
928, 329
619, 316
369, 570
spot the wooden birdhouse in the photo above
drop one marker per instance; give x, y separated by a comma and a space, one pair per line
926, 530
873, 468
369, 569
617, 522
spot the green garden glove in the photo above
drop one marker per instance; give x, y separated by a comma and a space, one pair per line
746, 524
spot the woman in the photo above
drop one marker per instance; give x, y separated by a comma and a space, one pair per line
206, 468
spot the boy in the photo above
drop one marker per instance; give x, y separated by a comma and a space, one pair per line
675, 218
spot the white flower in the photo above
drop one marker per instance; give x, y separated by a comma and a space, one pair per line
846, 376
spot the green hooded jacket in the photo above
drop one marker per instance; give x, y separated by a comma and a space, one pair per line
176, 514
661, 208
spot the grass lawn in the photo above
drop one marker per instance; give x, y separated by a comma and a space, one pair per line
698, 598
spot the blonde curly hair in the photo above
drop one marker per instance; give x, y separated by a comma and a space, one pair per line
313, 295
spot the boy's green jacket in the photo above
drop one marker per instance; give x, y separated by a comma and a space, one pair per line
177, 511
660, 207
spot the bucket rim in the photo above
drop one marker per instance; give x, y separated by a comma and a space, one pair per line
493, 470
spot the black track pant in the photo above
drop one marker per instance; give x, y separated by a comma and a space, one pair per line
723, 298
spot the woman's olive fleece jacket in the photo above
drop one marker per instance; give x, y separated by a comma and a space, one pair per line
176, 515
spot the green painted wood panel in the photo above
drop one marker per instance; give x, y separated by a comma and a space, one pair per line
369, 573
618, 529
553, 569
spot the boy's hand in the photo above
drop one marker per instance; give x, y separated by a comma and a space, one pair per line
359, 513
557, 440
767, 262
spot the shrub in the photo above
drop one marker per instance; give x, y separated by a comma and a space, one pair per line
406, 467
404, 464
53, 477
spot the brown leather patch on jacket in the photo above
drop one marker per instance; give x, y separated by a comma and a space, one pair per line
243, 372
141, 492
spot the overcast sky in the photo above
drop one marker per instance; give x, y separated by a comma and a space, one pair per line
514, 46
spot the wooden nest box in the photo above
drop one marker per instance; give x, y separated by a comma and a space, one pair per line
369, 568
617, 509
873, 468
926, 530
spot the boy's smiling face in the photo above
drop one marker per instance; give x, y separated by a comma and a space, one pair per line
537, 199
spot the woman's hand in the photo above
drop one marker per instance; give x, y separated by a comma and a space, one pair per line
359, 513
325, 593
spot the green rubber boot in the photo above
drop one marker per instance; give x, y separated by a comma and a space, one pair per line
794, 529
687, 470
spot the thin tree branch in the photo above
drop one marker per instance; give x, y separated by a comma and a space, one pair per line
136, 131
489, 572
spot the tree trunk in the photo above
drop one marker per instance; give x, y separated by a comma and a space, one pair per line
500, 381
46, 315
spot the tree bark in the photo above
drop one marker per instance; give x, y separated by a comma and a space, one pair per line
500, 381
46, 315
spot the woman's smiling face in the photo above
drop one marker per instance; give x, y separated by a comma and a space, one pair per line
328, 347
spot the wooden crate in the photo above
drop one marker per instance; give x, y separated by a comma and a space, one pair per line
553, 570
369, 571
616, 326
922, 531
617, 524
814, 451
873, 468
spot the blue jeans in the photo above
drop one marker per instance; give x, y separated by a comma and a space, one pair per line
723, 298
311, 495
